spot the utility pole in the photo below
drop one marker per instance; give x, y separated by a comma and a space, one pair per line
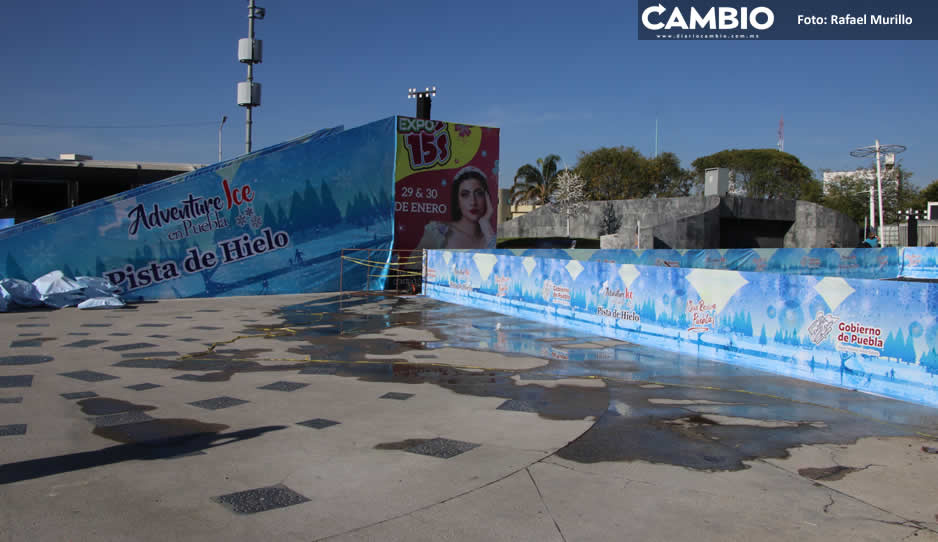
250, 53
878, 150
223, 119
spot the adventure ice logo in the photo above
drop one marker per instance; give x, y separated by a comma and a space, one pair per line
710, 22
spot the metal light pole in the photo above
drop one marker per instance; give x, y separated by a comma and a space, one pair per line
223, 119
878, 150
249, 52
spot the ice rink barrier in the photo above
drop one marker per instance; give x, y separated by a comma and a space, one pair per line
870, 335
858, 263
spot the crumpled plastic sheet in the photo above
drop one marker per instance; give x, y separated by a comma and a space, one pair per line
55, 289
16, 292
108, 302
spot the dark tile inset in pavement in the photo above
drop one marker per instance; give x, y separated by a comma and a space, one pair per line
167, 354
143, 387
147, 363
283, 385
318, 423
10, 400
97, 325
425, 356
208, 310
217, 403
119, 334
89, 376
24, 360
123, 418
79, 395
184, 318
81, 333
84, 343
36, 341
191, 340
397, 395
205, 327
32, 325
517, 405
442, 447
153, 325
133, 346
12, 430
19, 381
29, 334
261, 499
157, 336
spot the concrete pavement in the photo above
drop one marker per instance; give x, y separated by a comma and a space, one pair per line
367, 417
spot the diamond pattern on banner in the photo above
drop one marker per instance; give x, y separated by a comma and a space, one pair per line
716, 287
574, 267
447, 256
834, 290
529, 264
628, 273
485, 263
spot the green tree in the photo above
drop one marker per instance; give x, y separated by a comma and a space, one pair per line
624, 173
763, 173
536, 185
849, 194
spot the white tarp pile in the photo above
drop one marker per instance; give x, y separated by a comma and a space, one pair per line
57, 290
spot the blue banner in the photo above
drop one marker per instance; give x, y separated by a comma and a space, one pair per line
269, 222
875, 336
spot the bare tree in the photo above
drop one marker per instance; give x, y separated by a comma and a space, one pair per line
569, 195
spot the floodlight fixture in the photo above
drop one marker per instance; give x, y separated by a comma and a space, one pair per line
424, 100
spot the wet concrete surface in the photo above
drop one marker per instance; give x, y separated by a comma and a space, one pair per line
631, 404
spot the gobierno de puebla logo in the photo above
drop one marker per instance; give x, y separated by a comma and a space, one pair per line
706, 20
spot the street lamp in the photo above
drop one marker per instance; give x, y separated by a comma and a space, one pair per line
878, 150
223, 119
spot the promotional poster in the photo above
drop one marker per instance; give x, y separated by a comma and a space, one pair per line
446, 186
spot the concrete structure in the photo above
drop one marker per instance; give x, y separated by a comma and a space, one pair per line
507, 211
697, 222
34, 187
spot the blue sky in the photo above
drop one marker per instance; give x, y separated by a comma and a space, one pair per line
556, 77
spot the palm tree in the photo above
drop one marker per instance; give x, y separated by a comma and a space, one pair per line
536, 184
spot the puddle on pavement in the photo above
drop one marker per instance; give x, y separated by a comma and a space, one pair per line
827, 474
638, 418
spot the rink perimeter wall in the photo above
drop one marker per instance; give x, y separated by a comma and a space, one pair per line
875, 336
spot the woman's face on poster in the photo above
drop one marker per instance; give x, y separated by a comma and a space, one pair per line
472, 199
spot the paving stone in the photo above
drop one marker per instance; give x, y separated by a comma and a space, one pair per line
318, 423
123, 418
217, 403
10, 400
261, 499
12, 430
133, 346
24, 360
85, 343
184, 318
32, 325
397, 395
82, 333
442, 447
283, 385
208, 310
29, 342
205, 327
153, 325
18, 381
89, 376
29, 334
79, 395
97, 325
120, 334
517, 405
143, 387
167, 354
157, 336
146, 363
191, 340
